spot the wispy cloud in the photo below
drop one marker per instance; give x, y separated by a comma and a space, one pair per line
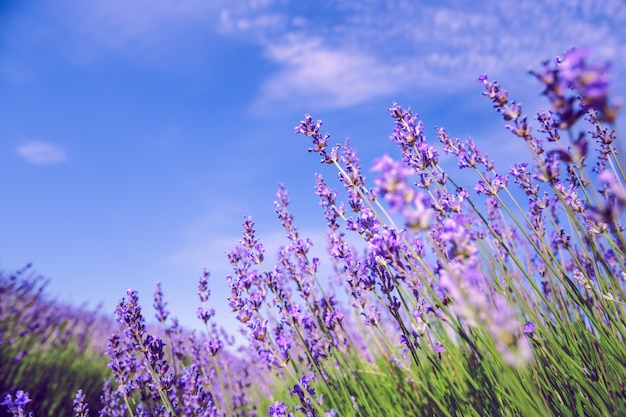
369, 51
311, 70
339, 54
42, 153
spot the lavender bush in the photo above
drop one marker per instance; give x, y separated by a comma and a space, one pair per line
47, 348
498, 291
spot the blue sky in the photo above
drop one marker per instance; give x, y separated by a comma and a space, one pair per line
136, 134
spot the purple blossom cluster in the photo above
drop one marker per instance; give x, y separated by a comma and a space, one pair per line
16, 406
33, 327
423, 267
575, 87
29, 318
437, 209
175, 372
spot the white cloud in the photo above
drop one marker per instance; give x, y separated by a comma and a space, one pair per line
317, 73
340, 54
256, 23
42, 153
369, 51
120, 24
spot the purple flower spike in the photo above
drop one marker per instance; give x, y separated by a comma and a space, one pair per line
16, 407
159, 305
589, 80
129, 313
529, 329
392, 184
571, 80
80, 407
203, 287
439, 349
278, 409
312, 129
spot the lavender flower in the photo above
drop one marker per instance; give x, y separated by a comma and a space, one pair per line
439, 349
306, 394
408, 133
159, 305
204, 293
570, 80
278, 409
311, 128
129, 313
16, 406
80, 407
196, 399
393, 187
529, 329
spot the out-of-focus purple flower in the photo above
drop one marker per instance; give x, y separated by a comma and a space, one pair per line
589, 80
418, 214
122, 363
159, 305
16, 406
458, 237
306, 394
205, 315
371, 315
80, 407
467, 288
278, 409
576, 153
112, 401
613, 187
196, 400
529, 329
570, 80
204, 291
213, 346
391, 184
606, 215
560, 238
268, 358
283, 343
259, 329
355, 406
493, 186
439, 349
20, 355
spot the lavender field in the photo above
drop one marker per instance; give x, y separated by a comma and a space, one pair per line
486, 290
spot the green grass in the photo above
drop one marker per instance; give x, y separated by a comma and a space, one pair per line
53, 375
